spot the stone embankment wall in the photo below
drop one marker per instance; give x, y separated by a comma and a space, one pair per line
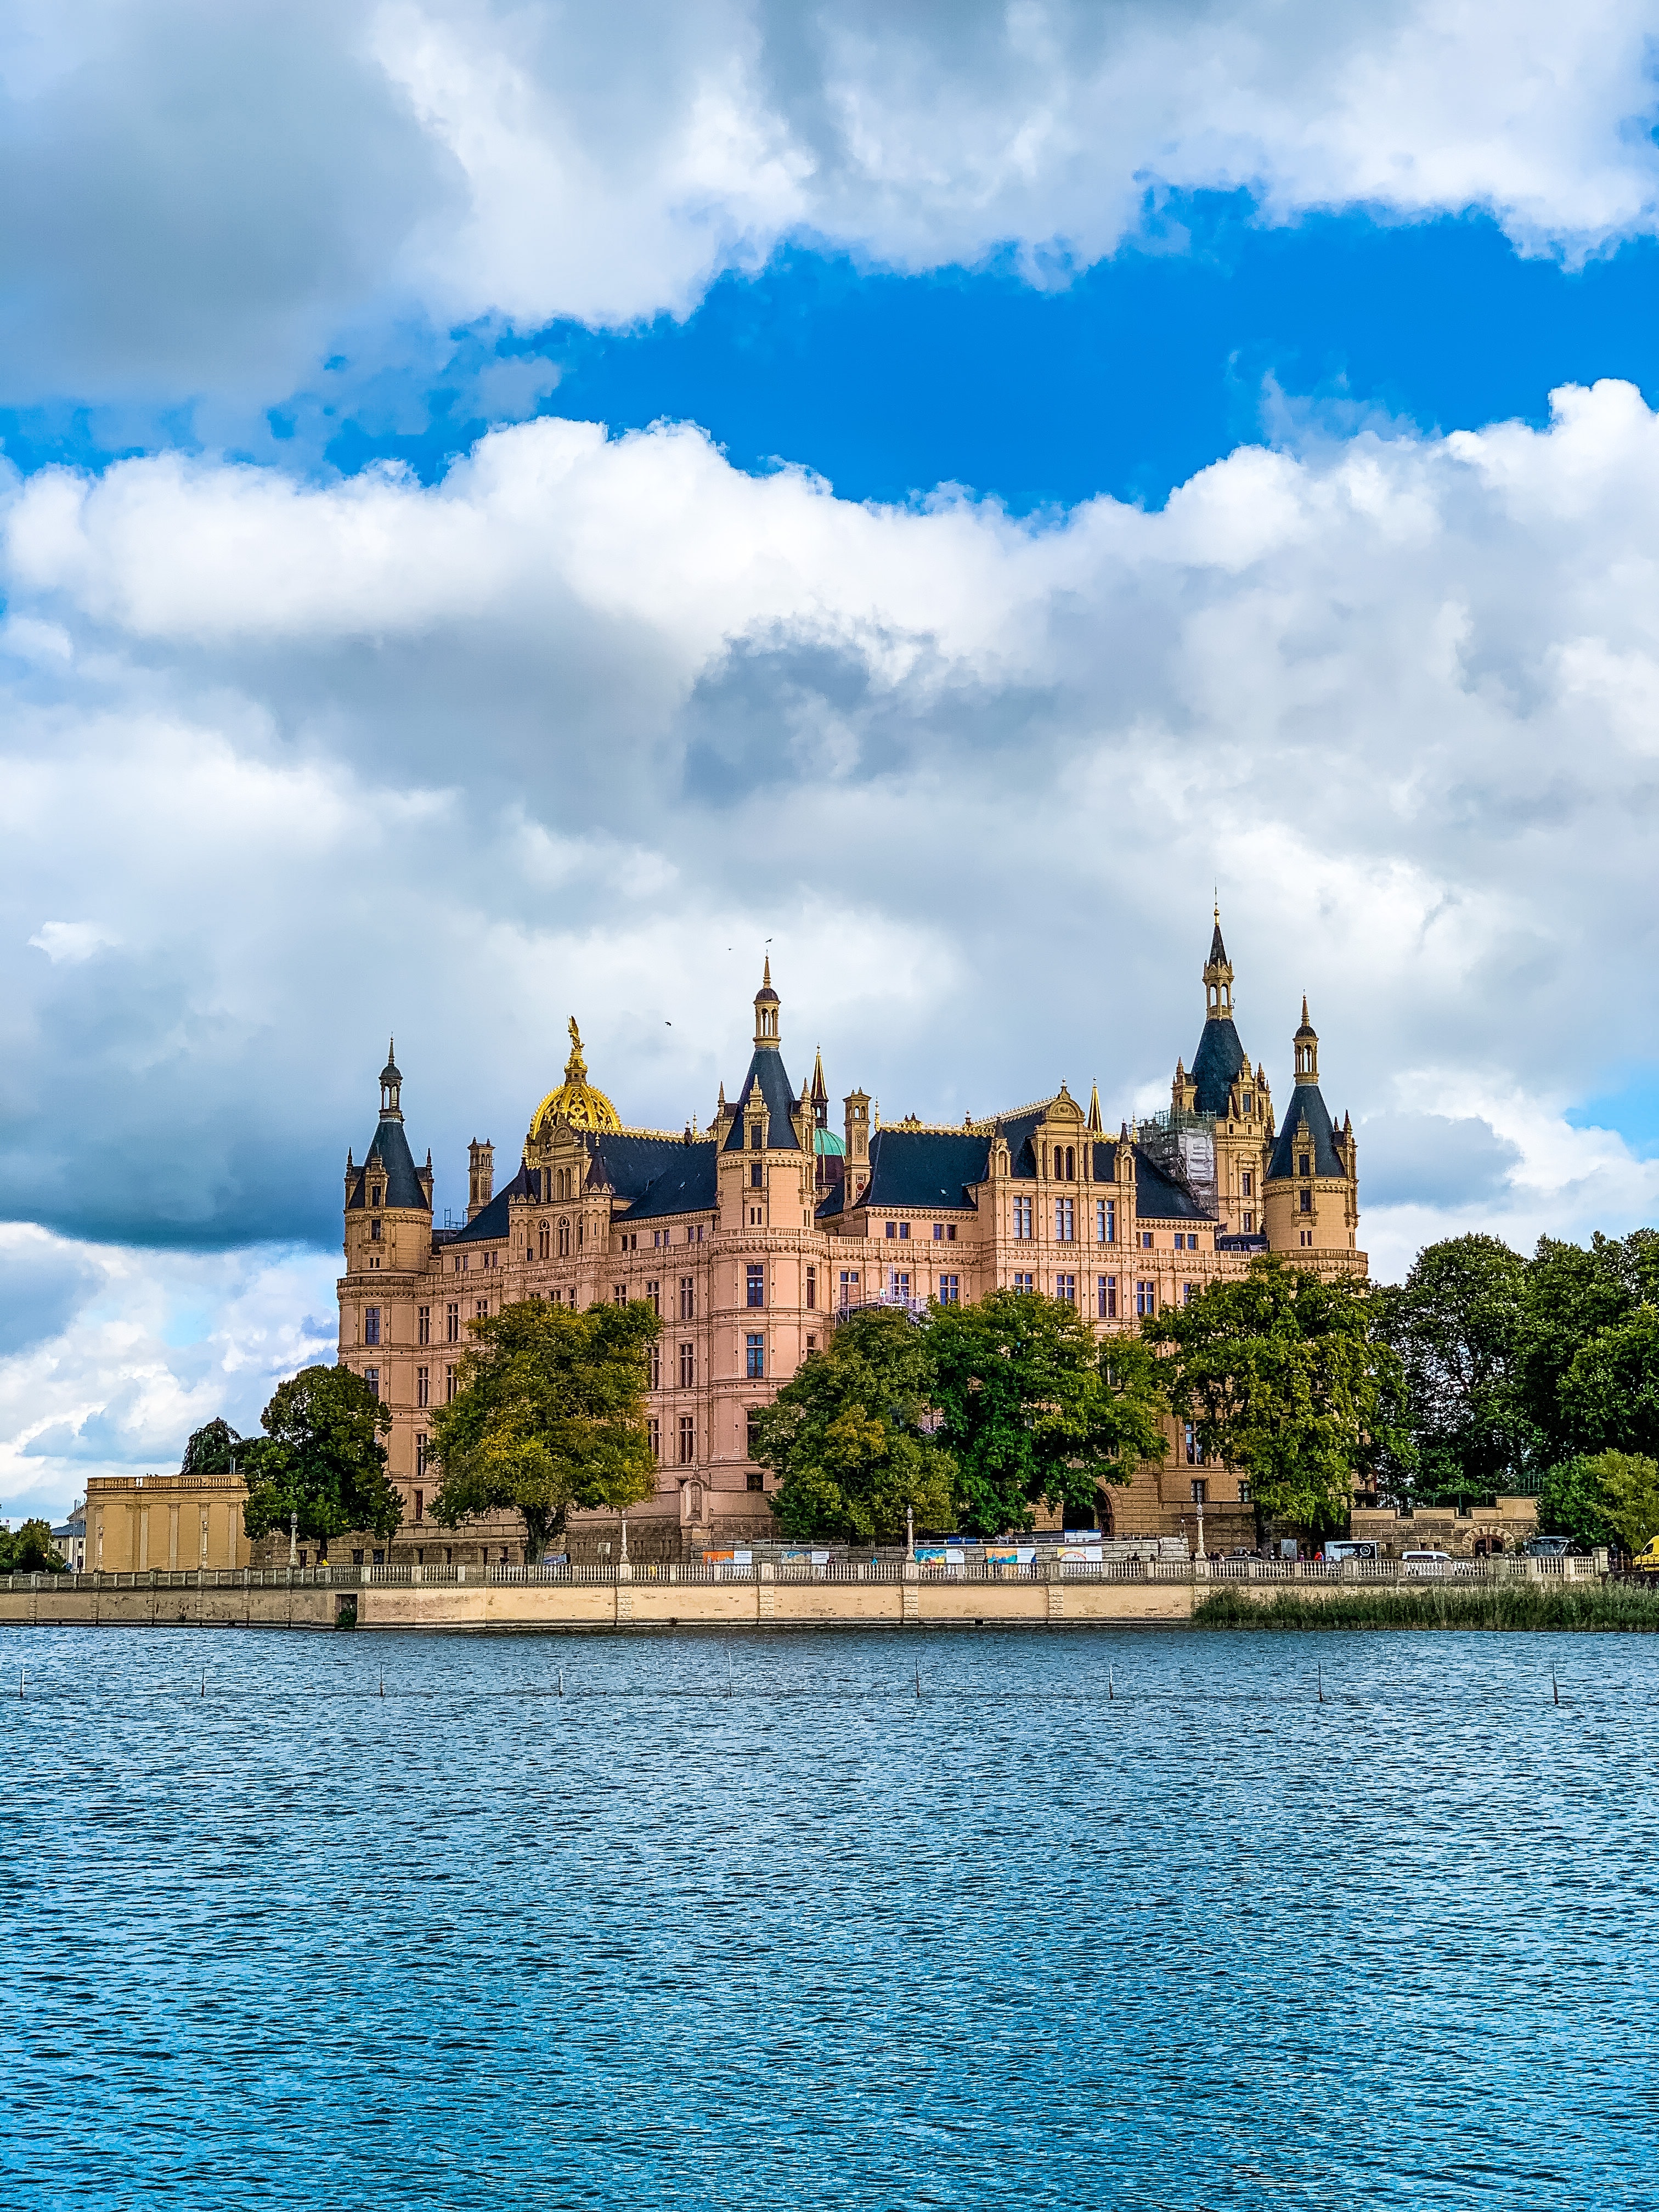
664, 1598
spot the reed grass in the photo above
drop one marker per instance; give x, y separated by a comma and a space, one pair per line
1616, 1606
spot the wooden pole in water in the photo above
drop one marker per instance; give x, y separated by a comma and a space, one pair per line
1555, 1685
1109, 1685
1321, 1685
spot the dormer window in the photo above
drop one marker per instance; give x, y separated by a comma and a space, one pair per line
1302, 1167
374, 1194
756, 1136
1248, 1103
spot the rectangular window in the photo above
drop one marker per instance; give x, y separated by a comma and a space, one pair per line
654, 1434
687, 1439
1146, 1240
420, 1505
654, 1367
654, 1297
751, 1428
1304, 1201
422, 1453
1201, 1490
1189, 1438
1105, 1221
687, 1366
756, 1175
1250, 1224
1245, 1182
422, 1324
756, 1280
1022, 1218
1243, 1493
1302, 1163
452, 1317
1066, 1289
1065, 1230
849, 1288
1188, 1292
756, 1136
949, 1290
755, 1368
423, 1386
811, 1288
449, 1386
1146, 1299
372, 1376
1025, 1282
371, 1324
938, 1232
756, 1478
619, 1294
374, 1231
892, 1229
1106, 1298
688, 1297
482, 1310
905, 1229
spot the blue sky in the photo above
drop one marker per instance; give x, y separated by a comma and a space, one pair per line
505, 513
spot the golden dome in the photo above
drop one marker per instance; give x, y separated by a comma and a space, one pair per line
575, 1101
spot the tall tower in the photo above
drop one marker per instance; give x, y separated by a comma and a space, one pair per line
1312, 1189
388, 1200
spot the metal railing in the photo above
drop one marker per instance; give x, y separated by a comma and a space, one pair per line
1370, 1573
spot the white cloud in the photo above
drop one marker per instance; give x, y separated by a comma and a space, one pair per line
109, 1357
554, 735
330, 170
70, 940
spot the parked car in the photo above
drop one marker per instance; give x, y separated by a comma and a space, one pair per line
1646, 1561
1426, 1562
1552, 1547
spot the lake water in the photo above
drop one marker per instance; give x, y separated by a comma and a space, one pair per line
746, 1922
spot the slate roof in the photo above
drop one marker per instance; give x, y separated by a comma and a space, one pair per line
491, 1221
1159, 1197
925, 1167
1105, 1163
766, 1074
686, 1181
1307, 1109
1216, 1065
403, 1184
1017, 1132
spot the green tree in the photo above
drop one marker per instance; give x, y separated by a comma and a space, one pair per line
550, 1414
848, 1436
1457, 1322
211, 1450
1630, 1488
1285, 1377
1608, 1397
1574, 1294
1033, 1411
30, 1550
1571, 1502
321, 1457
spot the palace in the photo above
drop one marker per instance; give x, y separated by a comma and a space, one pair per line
751, 1238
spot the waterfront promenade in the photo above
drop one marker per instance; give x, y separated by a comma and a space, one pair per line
891, 1593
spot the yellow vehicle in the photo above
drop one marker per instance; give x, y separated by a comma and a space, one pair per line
1646, 1561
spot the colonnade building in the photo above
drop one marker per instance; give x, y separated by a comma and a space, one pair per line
751, 1238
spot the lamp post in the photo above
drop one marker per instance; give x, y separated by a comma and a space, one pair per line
624, 1534
909, 1533
292, 1540
1201, 1551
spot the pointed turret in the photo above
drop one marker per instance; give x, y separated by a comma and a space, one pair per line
1220, 1060
1096, 1126
820, 1091
1307, 1048
1217, 979
768, 1007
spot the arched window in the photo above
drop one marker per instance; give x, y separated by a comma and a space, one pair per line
1071, 1164
564, 1240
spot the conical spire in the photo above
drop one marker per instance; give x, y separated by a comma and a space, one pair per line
1217, 979
766, 1005
1307, 1048
1095, 1128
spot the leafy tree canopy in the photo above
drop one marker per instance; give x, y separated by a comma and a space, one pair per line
211, 1449
1601, 1497
1574, 1295
1457, 1324
30, 1550
850, 1440
321, 1457
1285, 1377
1032, 1410
550, 1414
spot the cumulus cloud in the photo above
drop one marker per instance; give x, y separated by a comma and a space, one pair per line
109, 1358
217, 197
558, 732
